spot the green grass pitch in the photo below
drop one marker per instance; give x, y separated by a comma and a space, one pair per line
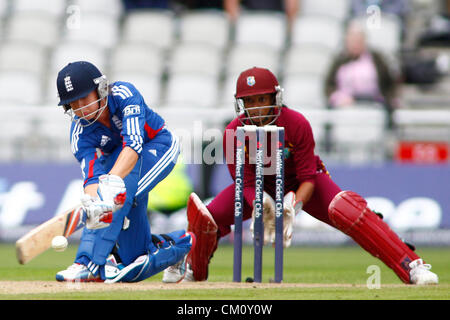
312, 273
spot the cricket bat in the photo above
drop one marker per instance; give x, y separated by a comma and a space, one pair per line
40, 238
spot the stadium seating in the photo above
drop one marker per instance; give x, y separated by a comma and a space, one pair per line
358, 133
113, 8
66, 52
318, 119
244, 56
54, 123
304, 91
228, 89
50, 92
20, 88
317, 30
22, 56
55, 8
196, 58
268, 29
313, 59
338, 9
154, 27
15, 128
133, 57
186, 62
35, 132
192, 90
97, 29
204, 26
35, 27
4, 8
422, 125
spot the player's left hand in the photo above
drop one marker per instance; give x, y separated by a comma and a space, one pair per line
291, 208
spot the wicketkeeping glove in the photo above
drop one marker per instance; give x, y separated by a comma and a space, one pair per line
268, 219
291, 208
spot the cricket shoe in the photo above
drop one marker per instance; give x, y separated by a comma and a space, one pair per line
112, 267
77, 273
177, 272
180, 272
420, 273
189, 276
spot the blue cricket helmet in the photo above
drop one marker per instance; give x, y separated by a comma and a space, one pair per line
77, 79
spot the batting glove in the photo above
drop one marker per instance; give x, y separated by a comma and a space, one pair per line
98, 213
111, 190
111, 197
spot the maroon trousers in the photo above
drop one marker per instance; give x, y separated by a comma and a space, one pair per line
222, 206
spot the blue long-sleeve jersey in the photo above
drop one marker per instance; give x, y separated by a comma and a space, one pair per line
133, 124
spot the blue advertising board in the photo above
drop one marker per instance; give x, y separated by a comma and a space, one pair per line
411, 197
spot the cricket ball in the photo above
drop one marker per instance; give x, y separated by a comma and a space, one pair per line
59, 243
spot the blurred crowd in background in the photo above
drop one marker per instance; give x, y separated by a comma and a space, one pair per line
372, 76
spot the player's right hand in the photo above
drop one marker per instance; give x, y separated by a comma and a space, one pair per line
99, 214
111, 193
291, 208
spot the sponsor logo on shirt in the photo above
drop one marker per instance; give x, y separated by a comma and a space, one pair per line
131, 110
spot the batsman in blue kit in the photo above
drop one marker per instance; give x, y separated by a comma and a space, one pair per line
124, 149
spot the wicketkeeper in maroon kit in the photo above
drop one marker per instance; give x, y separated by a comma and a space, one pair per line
308, 186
